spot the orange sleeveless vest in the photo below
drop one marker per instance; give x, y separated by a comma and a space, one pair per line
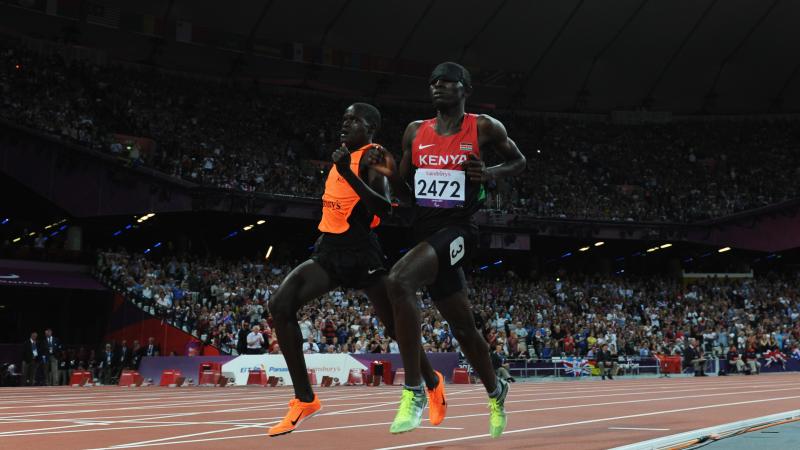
339, 198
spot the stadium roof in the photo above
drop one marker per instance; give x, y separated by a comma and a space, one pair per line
686, 56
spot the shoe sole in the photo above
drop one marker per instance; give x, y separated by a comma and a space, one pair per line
296, 425
410, 429
405, 431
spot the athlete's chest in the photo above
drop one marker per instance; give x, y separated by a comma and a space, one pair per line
432, 150
439, 178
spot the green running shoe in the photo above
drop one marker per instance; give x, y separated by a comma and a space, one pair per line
409, 415
497, 411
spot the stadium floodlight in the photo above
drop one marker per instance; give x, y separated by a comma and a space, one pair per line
261, 222
651, 250
16, 240
269, 252
724, 249
666, 246
248, 228
583, 249
598, 244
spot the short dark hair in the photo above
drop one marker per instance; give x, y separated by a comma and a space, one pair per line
368, 113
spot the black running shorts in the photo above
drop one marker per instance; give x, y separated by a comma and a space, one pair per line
454, 245
355, 265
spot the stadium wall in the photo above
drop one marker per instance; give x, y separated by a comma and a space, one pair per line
130, 323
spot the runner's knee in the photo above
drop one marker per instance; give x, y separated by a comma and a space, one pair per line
280, 306
398, 284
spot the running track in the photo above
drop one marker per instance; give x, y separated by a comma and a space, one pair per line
589, 414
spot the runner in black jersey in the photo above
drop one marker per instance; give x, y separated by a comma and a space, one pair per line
441, 171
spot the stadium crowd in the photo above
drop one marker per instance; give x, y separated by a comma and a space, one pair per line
236, 135
222, 302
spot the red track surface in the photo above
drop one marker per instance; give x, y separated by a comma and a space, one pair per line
579, 414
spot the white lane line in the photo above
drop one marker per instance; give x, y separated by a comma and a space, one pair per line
275, 419
583, 422
638, 429
361, 409
47, 430
170, 442
545, 389
261, 435
161, 441
276, 403
147, 419
449, 406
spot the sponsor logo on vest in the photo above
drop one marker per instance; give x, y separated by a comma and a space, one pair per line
331, 205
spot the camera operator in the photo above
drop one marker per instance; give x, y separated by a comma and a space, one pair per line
606, 362
693, 356
500, 365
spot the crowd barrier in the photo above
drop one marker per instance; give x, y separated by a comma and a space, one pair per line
573, 366
338, 365
657, 365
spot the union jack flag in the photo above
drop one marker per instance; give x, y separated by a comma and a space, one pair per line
774, 356
577, 367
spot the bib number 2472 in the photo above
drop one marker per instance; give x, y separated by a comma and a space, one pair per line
439, 188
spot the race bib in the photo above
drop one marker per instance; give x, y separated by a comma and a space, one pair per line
439, 188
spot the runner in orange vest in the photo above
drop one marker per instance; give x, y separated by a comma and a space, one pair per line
347, 254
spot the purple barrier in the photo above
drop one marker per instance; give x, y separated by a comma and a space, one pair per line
152, 366
548, 368
443, 362
792, 365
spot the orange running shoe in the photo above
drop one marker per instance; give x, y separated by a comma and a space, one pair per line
298, 412
437, 403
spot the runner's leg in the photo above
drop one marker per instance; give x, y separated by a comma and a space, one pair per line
306, 282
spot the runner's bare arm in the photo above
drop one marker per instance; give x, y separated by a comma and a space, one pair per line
398, 177
492, 136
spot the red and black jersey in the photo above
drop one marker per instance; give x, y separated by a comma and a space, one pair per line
443, 195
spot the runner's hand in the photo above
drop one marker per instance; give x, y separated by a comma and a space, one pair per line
381, 161
476, 170
341, 157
